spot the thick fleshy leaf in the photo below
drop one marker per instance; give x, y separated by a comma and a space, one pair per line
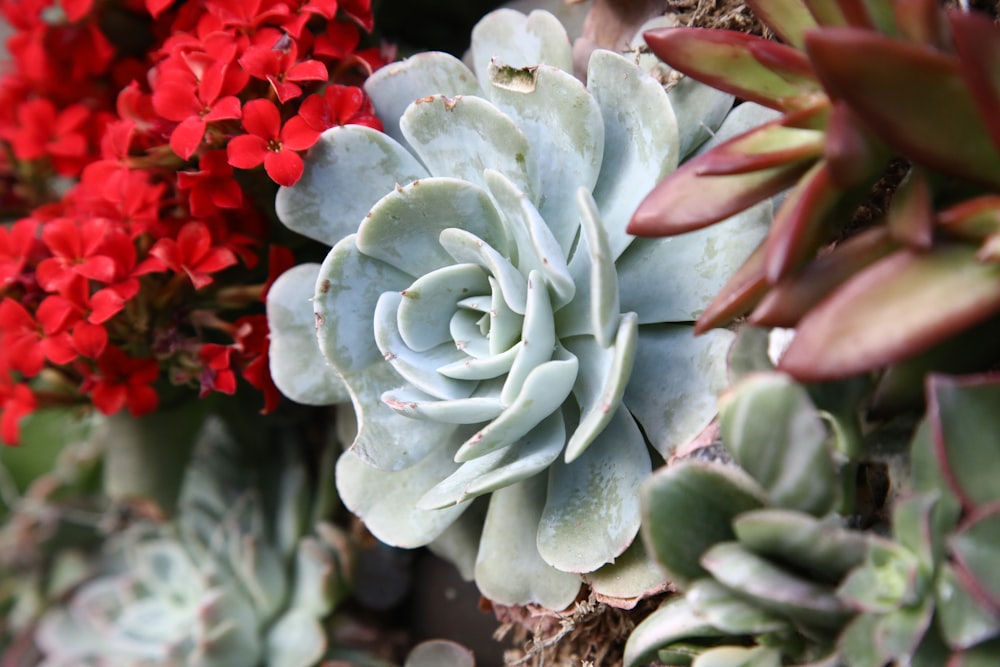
641, 139
296, 639
538, 338
673, 390
700, 111
788, 20
440, 653
773, 588
297, 366
387, 501
689, 507
330, 201
895, 308
537, 247
738, 656
965, 419
964, 621
672, 622
775, 433
529, 456
347, 291
632, 577
769, 159
463, 136
976, 548
746, 66
394, 87
740, 294
889, 578
592, 508
977, 42
509, 569
728, 612
600, 384
822, 548
508, 37
791, 298
941, 128
911, 212
428, 304
563, 125
701, 262
466, 247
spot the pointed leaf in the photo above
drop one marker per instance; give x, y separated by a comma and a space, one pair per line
690, 506
773, 588
911, 212
977, 42
976, 548
729, 612
788, 20
964, 417
791, 298
964, 620
893, 309
674, 621
941, 127
748, 67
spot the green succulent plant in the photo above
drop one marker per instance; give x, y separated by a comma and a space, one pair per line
500, 336
773, 572
857, 85
242, 576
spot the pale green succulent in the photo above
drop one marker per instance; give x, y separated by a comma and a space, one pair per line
499, 334
242, 577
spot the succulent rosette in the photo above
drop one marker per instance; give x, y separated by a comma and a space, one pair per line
517, 363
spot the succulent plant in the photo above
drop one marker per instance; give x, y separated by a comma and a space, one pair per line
242, 576
858, 85
500, 336
772, 569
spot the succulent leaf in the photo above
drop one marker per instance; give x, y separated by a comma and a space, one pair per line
977, 42
673, 621
882, 314
942, 127
788, 20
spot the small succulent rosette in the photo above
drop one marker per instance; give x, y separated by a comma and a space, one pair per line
517, 363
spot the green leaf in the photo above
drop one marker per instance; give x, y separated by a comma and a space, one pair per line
963, 411
672, 622
788, 20
701, 262
916, 99
976, 548
509, 569
592, 510
858, 645
963, 619
819, 547
892, 310
673, 391
440, 653
394, 87
633, 576
330, 201
297, 366
748, 67
690, 506
773, 430
728, 612
772, 588
738, 656
889, 578
510, 38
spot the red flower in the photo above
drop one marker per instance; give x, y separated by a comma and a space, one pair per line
339, 105
194, 106
28, 342
193, 253
123, 381
216, 374
44, 131
17, 243
211, 187
16, 402
271, 143
76, 250
279, 66
253, 360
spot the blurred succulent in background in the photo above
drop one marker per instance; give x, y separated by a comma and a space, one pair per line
770, 560
922, 124
243, 576
500, 335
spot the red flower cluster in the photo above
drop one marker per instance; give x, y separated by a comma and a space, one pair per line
136, 112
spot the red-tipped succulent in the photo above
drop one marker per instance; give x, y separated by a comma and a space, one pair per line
862, 87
